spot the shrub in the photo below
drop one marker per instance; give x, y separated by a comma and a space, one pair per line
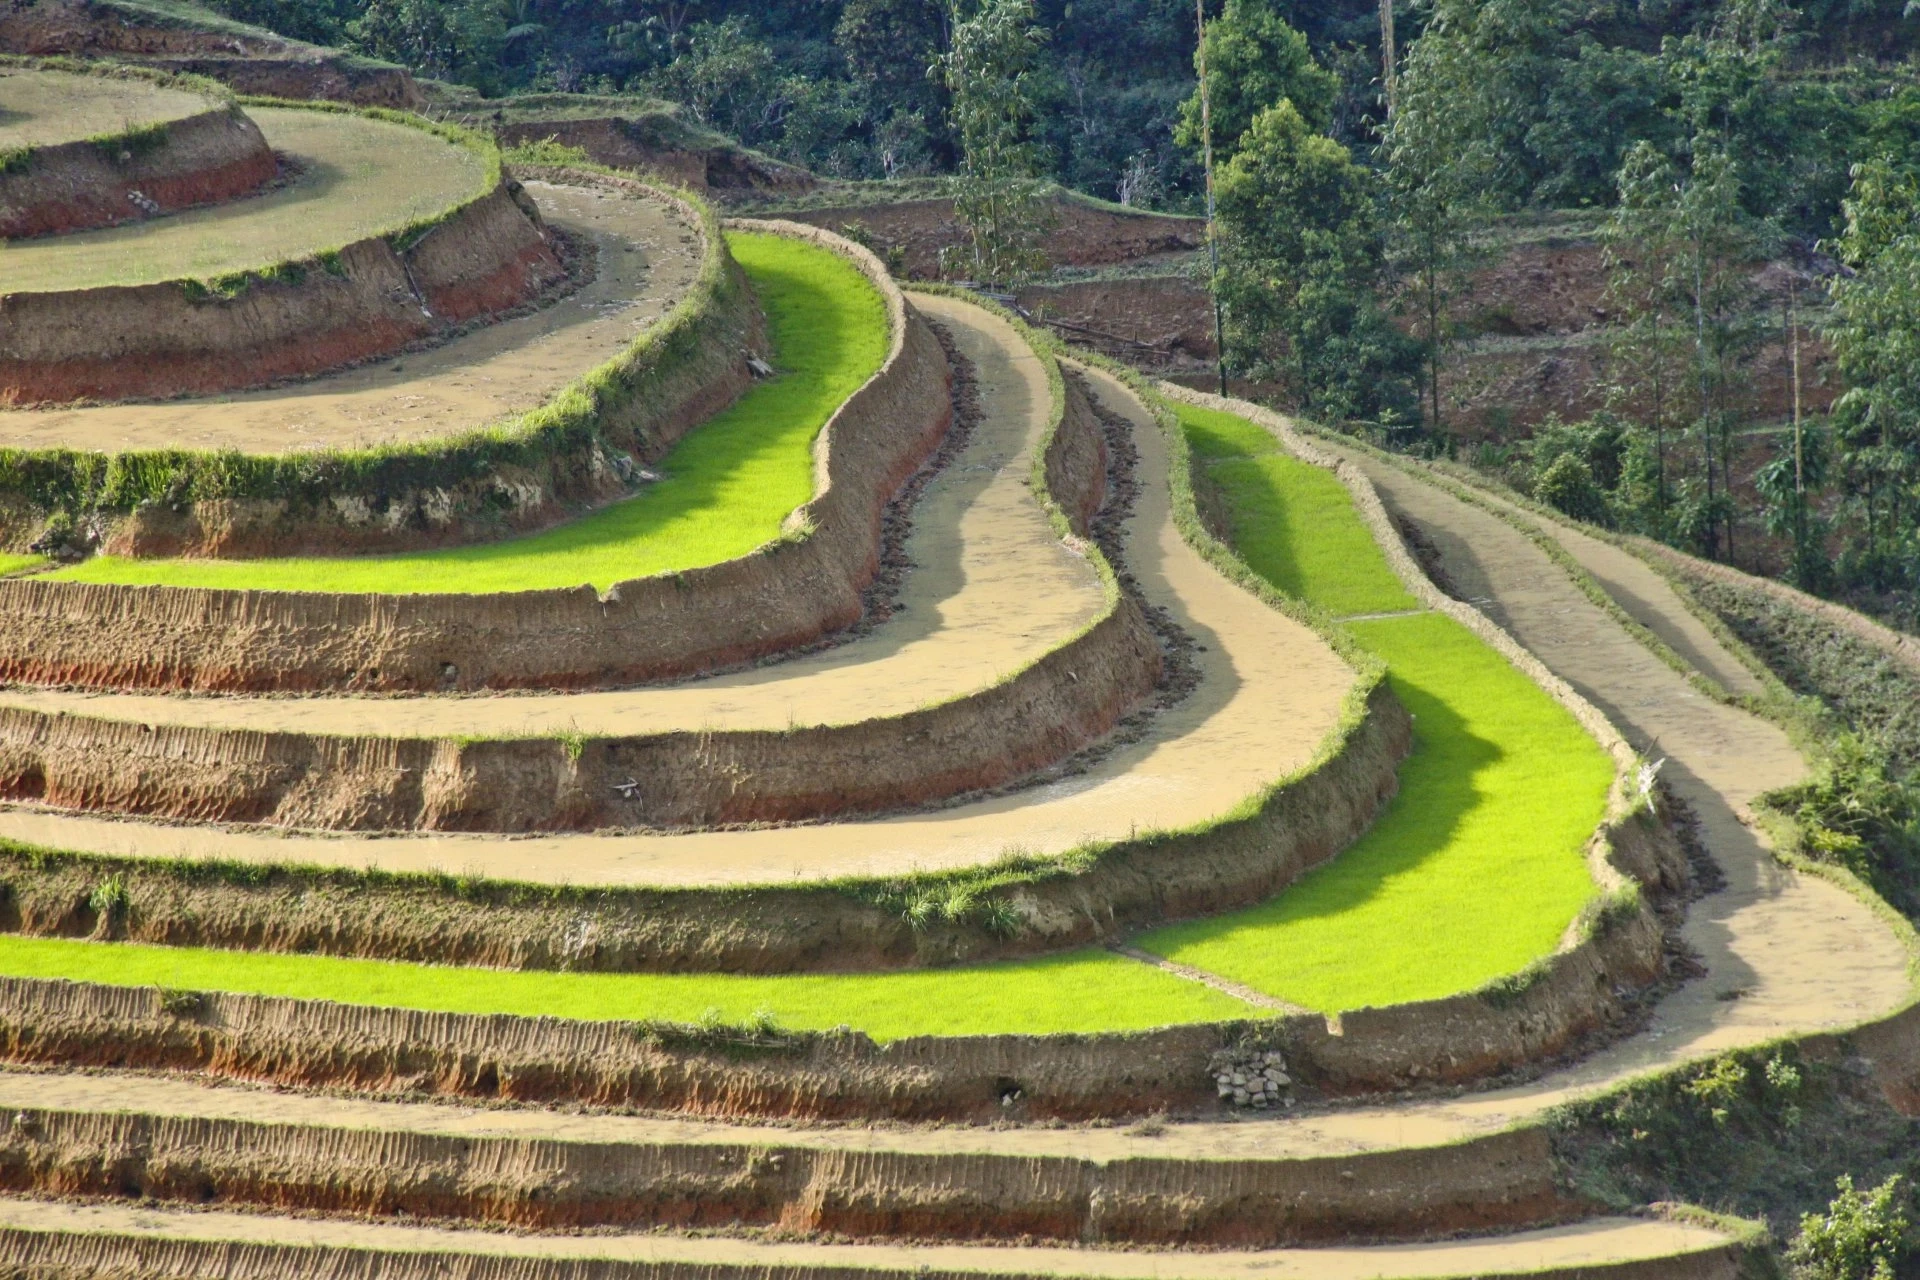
1860, 1237
1568, 486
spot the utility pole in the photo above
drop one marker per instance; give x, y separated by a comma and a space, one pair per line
1213, 235
1389, 57
1799, 438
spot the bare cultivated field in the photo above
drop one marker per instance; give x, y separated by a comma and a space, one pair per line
46, 108
648, 258
355, 178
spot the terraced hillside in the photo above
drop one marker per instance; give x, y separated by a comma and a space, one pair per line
706, 760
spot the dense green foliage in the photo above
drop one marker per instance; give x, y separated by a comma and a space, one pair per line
998, 192
725, 490
1476, 868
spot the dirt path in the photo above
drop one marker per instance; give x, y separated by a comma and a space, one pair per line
649, 256
1270, 692
47, 108
993, 590
360, 177
1595, 1241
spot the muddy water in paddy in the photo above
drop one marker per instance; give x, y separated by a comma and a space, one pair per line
648, 257
1269, 694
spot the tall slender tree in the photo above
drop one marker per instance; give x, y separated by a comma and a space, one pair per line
999, 194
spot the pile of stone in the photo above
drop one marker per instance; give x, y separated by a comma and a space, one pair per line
1252, 1078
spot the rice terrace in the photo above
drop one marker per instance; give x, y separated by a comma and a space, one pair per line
585, 697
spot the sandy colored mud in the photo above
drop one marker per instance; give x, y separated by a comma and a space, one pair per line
358, 178
649, 255
1270, 693
992, 590
46, 108
1596, 1241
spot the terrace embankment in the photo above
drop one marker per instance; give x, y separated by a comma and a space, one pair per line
369, 300
211, 154
1262, 772
695, 776
178, 1142
666, 323
805, 586
817, 1076
388, 231
250, 59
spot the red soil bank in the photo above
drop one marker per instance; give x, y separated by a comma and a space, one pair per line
209, 158
163, 340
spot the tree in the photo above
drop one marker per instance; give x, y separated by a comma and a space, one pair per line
1681, 244
889, 45
441, 39
1301, 270
1860, 1237
1438, 164
1255, 60
998, 194
1643, 257
1875, 335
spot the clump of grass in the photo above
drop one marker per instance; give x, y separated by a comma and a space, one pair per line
727, 488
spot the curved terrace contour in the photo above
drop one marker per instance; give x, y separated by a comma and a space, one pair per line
389, 232
648, 254
92, 150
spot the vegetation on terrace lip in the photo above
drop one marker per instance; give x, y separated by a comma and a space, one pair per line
1476, 869
726, 489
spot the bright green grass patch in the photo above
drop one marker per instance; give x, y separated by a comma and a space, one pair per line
1294, 523
10, 564
727, 487
1476, 869
1084, 991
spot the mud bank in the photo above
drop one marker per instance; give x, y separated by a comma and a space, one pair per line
216, 156
1032, 718
162, 340
1505, 1181
625, 143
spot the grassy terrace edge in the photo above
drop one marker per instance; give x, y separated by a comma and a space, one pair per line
570, 426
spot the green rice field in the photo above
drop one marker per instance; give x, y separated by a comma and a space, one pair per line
726, 488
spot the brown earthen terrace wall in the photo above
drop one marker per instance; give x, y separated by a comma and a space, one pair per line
164, 340
804, 587
209, 158
1503, 1181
